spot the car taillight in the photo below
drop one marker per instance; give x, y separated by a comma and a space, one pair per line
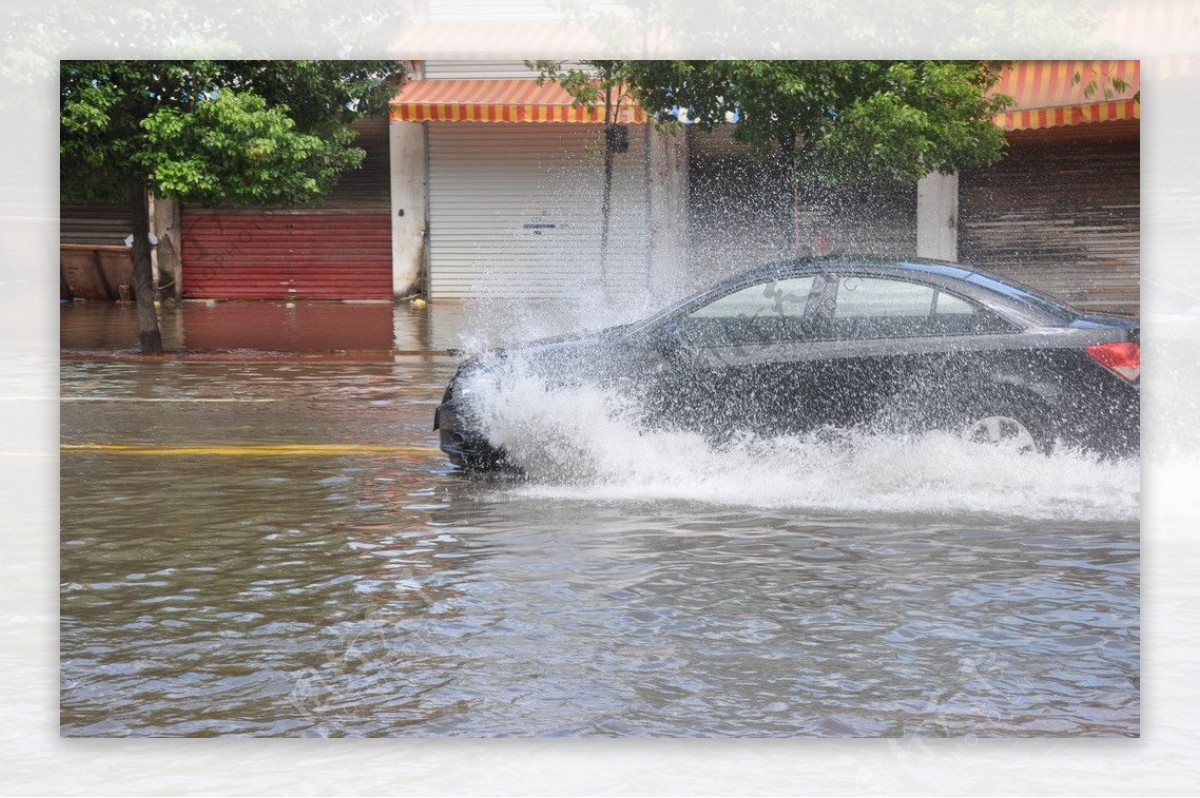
1120, 357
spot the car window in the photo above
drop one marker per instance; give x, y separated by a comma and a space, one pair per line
761, 313
873, 307
870, 297
950, 305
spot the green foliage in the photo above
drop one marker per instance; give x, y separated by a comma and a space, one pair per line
835, 121
838, 121
257, 132
917, 118
235, 147
36, 36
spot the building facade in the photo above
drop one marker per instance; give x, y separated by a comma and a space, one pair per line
481, 182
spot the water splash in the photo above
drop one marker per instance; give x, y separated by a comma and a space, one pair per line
586, 442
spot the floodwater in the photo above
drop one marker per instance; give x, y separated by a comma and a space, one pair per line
259, 537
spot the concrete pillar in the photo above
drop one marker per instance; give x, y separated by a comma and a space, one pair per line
165, 225
668, 204
937, 216
410, 214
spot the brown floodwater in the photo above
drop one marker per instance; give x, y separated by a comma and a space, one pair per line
269, 543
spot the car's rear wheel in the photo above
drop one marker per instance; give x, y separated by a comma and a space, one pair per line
1008, 425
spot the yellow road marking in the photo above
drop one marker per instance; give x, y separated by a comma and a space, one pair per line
253, 449
173, 399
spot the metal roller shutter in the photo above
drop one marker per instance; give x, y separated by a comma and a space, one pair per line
94, 262
437, 70
105, 225
514, 210
1061, 213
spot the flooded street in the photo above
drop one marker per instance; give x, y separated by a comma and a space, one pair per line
260, 537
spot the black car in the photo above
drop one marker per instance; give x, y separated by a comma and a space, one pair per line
850, 342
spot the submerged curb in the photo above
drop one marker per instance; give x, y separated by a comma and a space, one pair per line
225, 355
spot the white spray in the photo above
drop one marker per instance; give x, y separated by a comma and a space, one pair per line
587, 442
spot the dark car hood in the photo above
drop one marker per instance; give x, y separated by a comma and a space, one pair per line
569, 358
563, 344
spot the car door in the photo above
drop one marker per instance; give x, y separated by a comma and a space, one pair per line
903, 351
740, 359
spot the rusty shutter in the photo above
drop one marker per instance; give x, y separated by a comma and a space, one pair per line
1061, 214
338, 249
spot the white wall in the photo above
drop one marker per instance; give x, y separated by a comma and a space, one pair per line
937, 216
409, 187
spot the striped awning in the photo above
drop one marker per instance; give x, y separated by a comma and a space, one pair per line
1047, 95
512, 100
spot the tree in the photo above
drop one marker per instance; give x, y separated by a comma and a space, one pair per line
248, 132
837, 122
832, 122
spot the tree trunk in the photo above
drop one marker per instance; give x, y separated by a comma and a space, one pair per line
795, 218
606, 207
143, 278
792, 166
610, 144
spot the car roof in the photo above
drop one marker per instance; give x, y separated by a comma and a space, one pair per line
833, 263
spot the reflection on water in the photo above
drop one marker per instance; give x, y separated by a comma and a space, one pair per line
385, 594
266, 326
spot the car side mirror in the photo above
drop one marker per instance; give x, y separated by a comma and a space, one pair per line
669, 337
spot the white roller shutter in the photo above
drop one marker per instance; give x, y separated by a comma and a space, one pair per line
514, 210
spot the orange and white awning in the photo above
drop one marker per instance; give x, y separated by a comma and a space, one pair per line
1045, 92
1047, 95
513, 100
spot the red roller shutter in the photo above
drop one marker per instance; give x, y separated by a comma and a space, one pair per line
275, 256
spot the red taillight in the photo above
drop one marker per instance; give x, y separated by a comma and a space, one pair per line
1123, 358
